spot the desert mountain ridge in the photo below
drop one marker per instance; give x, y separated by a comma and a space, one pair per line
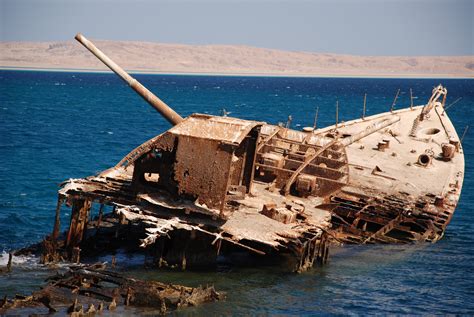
226, 59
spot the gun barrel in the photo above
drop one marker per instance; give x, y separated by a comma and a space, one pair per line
165, 110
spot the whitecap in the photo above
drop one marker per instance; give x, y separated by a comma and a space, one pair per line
17, 260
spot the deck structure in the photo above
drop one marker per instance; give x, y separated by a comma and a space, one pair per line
95, 289
215, 185
202, 191
405, 179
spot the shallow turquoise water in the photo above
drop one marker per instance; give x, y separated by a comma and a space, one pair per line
54, 126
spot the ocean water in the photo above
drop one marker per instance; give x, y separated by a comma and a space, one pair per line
55, 126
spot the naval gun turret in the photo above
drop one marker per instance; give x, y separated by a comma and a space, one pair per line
166, 111
201, 158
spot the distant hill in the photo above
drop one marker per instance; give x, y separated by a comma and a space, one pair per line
227, 59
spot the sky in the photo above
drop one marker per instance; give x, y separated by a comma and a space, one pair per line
364, 27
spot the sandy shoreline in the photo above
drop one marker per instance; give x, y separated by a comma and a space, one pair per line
153, 72
226, 60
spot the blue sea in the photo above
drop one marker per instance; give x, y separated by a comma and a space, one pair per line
60, 125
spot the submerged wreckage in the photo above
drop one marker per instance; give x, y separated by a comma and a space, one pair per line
214, 185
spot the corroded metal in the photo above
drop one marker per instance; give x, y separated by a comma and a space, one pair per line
149, 97
212, 185
89, 290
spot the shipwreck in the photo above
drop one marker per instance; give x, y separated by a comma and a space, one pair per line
213, 185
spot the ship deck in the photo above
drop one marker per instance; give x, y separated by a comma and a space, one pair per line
388, 179
245, 228
400, 173
398, 166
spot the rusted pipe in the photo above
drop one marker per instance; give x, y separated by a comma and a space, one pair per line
369, 130
454, 142
149, 97
448, 150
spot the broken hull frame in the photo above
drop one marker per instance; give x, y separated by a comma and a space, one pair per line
358, 213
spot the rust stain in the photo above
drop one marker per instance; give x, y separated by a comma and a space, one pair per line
210, 185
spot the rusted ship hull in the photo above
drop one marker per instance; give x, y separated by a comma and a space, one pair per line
92, 289
405, 181
213, 185
370, 194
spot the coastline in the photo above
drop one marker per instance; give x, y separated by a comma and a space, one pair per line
226, 60
249, 74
